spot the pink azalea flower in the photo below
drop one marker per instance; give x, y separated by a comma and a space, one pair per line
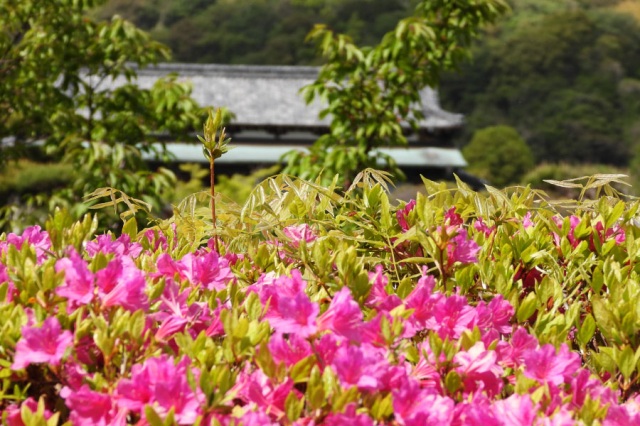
289, 309
33, 236
348, 418
290, 286
527, 222
422, 301
163, 384
175, 314
269, 285
299, 233
462, 249
91, 408
371, 331
14, 418
209, 270
289, 351
452, 218
234, 258
46, 344
574, 221
293, 315
134, 393
426, 371
360, 366
479, 370
391, 377
624, 415
494, 319
403, 214
547, 366
256, 418
511, 353
560, 418
4, 276
74, 372
583, 385
378, 297
78, 285
12, 292
327, 346
616, 232
480, 226
451, 317
343, 317
516, 410
413, 406
121, 283
257, 388
156, 239
476, 411
216, 327
121, 246
167, 267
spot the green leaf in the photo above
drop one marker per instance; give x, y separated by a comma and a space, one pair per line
405, 287
293, 406
315, 394
604, 318
344, 398
152, 417
627, 362
587, 330
130, 228
301, 370
265, 361
452, 382
382, 408
527, 307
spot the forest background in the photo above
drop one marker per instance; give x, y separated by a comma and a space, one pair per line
564, 73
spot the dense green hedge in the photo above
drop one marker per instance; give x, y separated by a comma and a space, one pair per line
329, 307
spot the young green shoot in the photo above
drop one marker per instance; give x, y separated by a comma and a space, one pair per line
215, 143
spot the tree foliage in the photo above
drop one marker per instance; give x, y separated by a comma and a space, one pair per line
373, 92
562, 74
499, 155
55, 63
255, 31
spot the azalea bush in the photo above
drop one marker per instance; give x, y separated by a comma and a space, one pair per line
318, 305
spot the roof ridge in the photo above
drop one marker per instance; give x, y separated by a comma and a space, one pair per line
263, 71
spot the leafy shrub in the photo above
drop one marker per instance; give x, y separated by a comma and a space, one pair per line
26, 176
25, 191
498, 154
329, 307
238, 187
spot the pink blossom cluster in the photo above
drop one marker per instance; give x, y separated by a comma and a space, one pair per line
452, 235
434, 357
356, 351
36, 239
616, 232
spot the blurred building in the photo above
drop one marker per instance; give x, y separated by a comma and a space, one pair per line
272, 118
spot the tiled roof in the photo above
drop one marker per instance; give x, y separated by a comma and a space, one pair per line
269, 95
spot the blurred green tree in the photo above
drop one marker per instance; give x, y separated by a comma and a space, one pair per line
499, 155
559, 72
372, 91
54, 62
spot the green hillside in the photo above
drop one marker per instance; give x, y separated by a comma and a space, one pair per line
255, 31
